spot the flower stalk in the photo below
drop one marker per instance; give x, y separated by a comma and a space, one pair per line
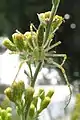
34, 47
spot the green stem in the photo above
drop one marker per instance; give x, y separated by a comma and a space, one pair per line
53, 12
35, 74
22, 117
33, 79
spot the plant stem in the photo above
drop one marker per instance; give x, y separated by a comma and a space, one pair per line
53, 12
22, 117
36, 73
33, 78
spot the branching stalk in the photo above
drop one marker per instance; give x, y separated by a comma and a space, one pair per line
36, 73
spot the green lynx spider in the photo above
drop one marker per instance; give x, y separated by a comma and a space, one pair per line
41, 52
45, 50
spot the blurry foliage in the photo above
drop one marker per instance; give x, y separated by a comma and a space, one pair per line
76, 112
5, 103
2, 88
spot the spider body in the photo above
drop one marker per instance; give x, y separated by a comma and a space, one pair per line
35, 46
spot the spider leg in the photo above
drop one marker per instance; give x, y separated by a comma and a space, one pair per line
20, 65
65, 76
49, 40
52, 46
47, 44
64, 56
32, 34
18, 31
32, 25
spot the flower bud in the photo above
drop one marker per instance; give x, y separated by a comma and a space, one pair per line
18, 40
9, 116
15, 88
57, 21
9, 94
41, 93
3, 114
9, 109
44, 104
35, 101
21, 87
0, 118
28, 39
43, 17
47, 14
17, 91
8, 44
40, 35
32, 110
50, 93
29, 94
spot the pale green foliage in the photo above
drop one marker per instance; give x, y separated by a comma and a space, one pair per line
75, 115
5, 114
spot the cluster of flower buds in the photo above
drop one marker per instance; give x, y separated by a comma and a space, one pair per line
5, 114
45, 17
27, 99
45, 99
39, 102
20, 42
15, 92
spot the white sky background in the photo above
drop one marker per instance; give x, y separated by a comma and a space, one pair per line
8, 67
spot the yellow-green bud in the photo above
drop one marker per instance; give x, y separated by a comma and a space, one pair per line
15, 88
28, 39
9, 93
57, 21
0, 110
43, 17
28, 36
40, 35
9, 116
8, 44
3, 114
41, 93
44, 104
32, 110
47, 14
29, 94
0, 118
17, 92
21, 87
35, 101
18, 40
50, 93
9, 109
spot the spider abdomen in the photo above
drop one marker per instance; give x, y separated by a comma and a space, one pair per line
38, 54
40, 35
